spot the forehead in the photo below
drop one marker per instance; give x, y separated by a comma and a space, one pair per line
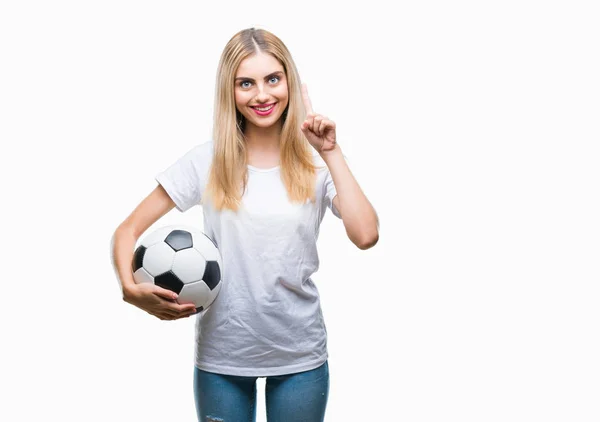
258, 64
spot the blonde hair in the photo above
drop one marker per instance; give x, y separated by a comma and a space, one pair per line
228, 175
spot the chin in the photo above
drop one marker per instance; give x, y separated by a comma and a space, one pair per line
267, 123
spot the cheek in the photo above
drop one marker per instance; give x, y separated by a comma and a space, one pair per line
241, 99
238, 99
282, 92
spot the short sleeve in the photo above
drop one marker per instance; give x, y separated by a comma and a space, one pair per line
329, 190
330, 193
183, 180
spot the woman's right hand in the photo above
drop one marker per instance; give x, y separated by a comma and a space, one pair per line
157, 301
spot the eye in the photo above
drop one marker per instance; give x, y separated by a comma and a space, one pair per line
241, 84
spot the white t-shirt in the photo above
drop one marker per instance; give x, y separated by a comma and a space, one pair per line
267, 318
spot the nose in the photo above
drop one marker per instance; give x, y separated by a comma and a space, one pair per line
262, 96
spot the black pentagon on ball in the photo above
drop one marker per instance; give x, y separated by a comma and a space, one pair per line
169, 281
199, 309
179, 239
138, 257
212, 274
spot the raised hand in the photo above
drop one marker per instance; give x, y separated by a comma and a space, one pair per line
318, 129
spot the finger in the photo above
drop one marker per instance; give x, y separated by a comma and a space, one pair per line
170, 313
186, 308
324, 124
164, 293
180, 310
306, 100
308, 123
316, 124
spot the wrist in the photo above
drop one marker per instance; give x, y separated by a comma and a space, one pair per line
325, 155
129, 290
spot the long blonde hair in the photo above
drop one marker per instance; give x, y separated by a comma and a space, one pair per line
228, 175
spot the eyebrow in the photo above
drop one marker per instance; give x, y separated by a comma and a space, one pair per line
279, 73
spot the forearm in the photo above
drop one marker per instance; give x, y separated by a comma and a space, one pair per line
121, 248
359, 216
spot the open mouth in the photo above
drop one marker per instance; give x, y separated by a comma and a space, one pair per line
263, 110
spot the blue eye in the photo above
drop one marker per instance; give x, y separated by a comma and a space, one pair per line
249, 82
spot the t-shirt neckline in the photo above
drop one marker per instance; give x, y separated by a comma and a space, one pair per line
263, 170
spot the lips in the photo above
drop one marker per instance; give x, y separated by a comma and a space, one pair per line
270, 108
263, 106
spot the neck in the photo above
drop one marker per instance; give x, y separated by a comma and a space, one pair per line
263, 139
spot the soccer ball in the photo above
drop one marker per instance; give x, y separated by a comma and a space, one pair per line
182, 259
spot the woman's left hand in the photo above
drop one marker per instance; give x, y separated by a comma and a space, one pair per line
318, 129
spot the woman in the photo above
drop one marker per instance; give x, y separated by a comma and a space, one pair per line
264, 182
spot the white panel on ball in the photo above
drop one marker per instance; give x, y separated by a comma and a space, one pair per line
189, 265
155, 237
158, 259
142, 276
197, 293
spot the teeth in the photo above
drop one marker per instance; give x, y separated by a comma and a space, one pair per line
264, 109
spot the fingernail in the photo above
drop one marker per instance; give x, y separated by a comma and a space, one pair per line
174, 296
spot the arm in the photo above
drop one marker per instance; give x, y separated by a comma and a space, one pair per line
359, 216
153, 207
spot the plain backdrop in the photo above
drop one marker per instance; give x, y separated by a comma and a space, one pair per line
471, 126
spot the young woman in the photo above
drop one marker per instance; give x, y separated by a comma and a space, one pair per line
264, 182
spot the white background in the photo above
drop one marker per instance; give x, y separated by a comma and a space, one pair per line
471, 126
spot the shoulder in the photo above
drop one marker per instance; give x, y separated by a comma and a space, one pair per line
202, 152
199, 156
194, 162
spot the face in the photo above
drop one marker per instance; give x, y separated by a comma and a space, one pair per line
260, 82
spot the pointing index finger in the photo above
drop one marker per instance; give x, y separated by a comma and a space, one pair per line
306, 100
